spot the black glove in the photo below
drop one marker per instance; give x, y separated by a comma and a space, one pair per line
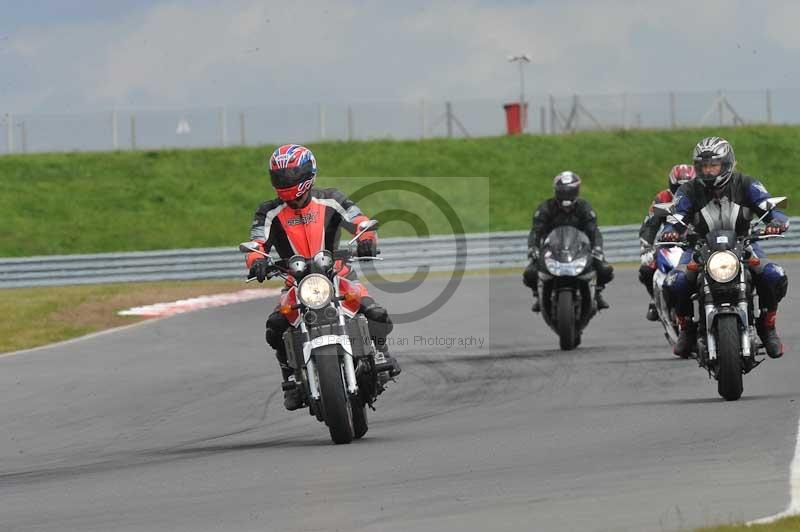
597, 252
260, 269
533, 254
367, 248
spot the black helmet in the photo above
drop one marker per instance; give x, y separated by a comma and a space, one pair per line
567, 186
714, 150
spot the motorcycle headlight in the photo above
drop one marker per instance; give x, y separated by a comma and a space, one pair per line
723, 266
315, 291
565, 268
580, 264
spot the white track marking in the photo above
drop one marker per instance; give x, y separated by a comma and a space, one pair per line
794, 487
197, 303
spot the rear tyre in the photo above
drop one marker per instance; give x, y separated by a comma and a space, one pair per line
335, 402
565, 318
729, 358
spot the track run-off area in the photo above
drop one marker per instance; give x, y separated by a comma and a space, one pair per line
178, 424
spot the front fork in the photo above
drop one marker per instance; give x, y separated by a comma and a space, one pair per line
741, 310
342, 340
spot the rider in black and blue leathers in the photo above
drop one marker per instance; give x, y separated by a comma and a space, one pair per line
720, 198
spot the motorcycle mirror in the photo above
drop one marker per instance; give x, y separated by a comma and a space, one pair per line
663, 209
778, 202
251, 247
248, 247
363, 227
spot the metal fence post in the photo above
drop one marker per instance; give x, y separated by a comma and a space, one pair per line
223, 126
114, 137
321, 121
24, 135
422, 118
449, 113
349, 123
133, 132
672, 121
625, 110
769, 106
242, 138
10, 132
543, 120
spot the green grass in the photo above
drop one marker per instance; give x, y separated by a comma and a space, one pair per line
94, 202
38, 316
789, 524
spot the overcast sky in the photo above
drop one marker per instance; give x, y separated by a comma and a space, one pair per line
79, 55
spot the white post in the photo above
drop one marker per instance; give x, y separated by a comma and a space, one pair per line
523, 111
321, 121
223, 125
114, 137
10, 132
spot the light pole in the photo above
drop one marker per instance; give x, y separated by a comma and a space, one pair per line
521, 60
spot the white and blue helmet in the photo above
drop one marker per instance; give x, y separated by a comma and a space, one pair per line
713, 150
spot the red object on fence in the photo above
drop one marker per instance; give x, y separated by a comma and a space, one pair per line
514, 118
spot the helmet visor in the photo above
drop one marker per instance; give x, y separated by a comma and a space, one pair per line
289, 177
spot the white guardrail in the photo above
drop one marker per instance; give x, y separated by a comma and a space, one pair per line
400, 255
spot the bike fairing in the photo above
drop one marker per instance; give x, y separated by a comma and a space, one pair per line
549, 215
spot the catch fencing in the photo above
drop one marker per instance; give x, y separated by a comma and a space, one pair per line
475, 251
230, 125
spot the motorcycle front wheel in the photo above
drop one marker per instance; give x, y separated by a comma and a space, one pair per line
336, 406
565, 318
729, 358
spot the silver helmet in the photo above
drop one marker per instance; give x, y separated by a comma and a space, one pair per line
714, 150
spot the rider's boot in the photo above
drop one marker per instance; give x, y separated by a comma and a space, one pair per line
766, 331
292, 398
387, 364
598, 297
687, 337
652, 313
536, 307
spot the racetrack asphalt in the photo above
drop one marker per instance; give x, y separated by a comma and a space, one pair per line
178, 424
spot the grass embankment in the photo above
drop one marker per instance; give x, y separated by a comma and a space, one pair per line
95, 202
38, 316
789, 524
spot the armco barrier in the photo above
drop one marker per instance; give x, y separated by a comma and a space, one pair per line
400, 255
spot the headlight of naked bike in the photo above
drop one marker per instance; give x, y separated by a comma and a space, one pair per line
315, 291
723, 266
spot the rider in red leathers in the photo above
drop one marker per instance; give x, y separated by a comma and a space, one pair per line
304, 220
